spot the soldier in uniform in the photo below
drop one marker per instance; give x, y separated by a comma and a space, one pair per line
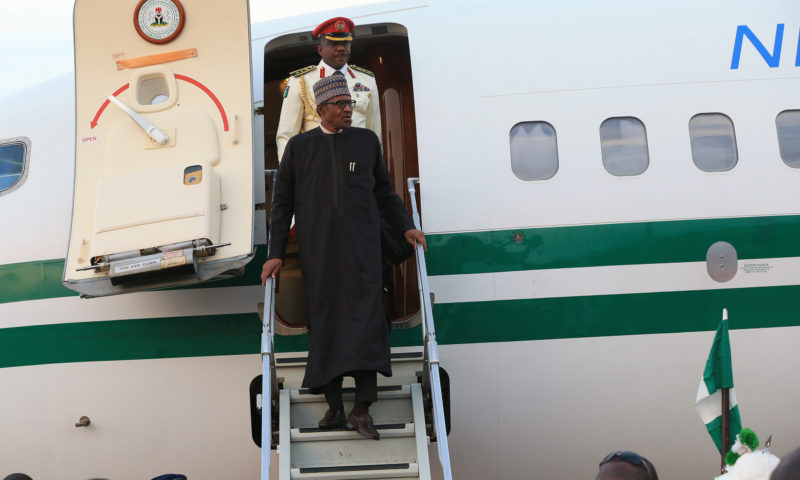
299, 111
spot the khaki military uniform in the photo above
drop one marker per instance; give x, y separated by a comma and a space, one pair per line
299, 111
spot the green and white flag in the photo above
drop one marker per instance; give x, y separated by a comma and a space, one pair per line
718, 375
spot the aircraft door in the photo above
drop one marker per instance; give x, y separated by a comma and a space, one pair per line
163, 159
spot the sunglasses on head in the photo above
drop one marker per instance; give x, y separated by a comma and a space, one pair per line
634, 459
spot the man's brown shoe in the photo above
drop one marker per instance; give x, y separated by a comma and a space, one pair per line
332, 419
362, 424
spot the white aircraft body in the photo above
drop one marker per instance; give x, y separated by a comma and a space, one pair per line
577, 161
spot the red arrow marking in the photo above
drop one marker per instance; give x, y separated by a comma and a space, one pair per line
210, 94
105, 104
179, 77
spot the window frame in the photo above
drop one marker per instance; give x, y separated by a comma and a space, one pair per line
646, 146
26, 144
733, 136
555, 149
778, 136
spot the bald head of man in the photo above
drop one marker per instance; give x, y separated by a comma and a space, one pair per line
789, 468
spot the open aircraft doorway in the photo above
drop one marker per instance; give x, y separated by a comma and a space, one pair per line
163, 158
382, 49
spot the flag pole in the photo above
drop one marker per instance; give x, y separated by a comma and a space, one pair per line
716, 385
726, 415
726, 427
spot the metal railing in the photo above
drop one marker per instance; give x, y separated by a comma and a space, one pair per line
431, 347
269, 380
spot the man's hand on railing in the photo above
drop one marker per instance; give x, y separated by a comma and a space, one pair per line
270, 269
414, 236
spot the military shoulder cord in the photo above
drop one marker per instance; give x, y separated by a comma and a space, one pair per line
304, 95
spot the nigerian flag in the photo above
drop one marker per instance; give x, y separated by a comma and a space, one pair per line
718, 375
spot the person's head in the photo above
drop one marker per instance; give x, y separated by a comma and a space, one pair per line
17, 476
334, 37
789, 468
626, 465
334, 105
335, 54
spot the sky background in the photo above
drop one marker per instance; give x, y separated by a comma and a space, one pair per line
36, 35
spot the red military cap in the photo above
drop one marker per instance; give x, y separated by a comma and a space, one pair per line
337, 29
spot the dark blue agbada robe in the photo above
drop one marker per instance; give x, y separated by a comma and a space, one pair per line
337, 185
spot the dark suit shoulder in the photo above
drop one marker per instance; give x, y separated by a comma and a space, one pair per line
306, 136
300, 140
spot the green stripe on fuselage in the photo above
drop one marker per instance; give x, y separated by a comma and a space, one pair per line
32, 281
458, 323
610, 244
497, 251
137, 339
42, 279
611, 315
130, 339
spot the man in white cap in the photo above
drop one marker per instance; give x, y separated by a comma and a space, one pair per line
299, 112
333, 180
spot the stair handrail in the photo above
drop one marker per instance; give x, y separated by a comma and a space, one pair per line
269, 380
431, 346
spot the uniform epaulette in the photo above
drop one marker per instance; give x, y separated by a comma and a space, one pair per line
362, 70
303, 71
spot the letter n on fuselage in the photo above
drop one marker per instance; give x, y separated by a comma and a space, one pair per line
773, 59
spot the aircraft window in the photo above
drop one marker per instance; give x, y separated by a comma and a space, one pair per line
534, 154
13, 163
713, 142
788, 124
623, 143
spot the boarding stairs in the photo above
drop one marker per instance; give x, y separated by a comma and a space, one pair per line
409, 413
307, 452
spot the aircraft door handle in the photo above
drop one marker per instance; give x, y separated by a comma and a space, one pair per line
151, 130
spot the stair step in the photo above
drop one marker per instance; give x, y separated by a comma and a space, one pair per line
291, 367
292, 377
315, 434
348, 393
386, 411
365, 472
355, 450
308, 452
302, 359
